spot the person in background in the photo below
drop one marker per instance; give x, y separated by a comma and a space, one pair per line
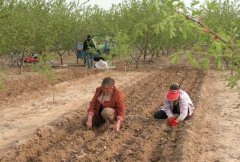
89, 48
177, 102
107, 106
106, 47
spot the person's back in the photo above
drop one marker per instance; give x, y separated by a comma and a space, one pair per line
106, 48
88, 43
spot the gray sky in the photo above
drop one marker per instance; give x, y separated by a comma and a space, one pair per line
106, 4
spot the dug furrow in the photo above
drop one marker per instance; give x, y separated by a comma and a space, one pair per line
142, 138
169, 148
91, 145
47, 137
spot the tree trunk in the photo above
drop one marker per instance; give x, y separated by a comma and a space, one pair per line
145, 49
61, 59
60, 54
137, 64
138, 60
22, 61
144, 57
152, 55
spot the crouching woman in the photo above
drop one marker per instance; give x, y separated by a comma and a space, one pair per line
177, 106
107, 106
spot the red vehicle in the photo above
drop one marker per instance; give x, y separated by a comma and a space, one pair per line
31, 59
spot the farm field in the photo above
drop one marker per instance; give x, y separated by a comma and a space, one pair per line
55, 53
34, 128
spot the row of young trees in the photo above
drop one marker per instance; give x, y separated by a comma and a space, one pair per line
139, 28
36, 25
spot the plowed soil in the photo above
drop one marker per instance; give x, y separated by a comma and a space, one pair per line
42, 130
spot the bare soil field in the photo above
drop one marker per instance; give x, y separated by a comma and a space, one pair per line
34, 128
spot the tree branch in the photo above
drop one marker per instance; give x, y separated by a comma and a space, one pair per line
209, 30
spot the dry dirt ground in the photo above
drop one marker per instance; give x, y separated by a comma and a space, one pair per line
34, 128
221, 132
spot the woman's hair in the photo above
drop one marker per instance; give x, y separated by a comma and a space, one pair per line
175, 86
89, 36
108, 81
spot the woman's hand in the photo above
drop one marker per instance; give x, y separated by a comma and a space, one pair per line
173, 122
117, 125
89, 122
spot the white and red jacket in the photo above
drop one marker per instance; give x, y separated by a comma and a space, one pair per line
185, 104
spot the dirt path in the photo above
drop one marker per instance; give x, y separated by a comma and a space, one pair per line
213, 134
17, 122
221, 133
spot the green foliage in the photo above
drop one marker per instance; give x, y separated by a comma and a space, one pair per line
44, 66
204, 63
45, 69
137, 28
175, 57
92, 50
121, 47
232, 81
191, 59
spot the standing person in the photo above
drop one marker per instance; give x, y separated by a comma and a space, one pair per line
106, 107
106, 47
88, 47
177, 101
80, 53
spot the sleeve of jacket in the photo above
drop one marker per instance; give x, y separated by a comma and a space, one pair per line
92, 107
183, 108
121, 108
167, 108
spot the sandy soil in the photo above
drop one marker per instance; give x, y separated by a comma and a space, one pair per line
23, 118
42, 130
213, 134
221, 131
